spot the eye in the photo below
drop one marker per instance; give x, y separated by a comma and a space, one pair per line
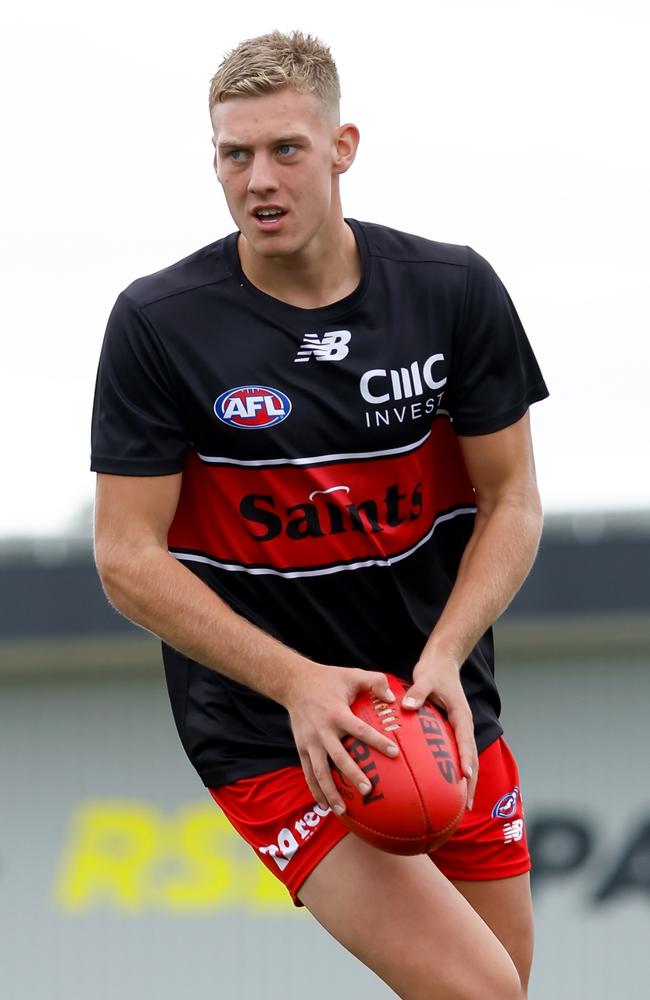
237, 155
286, 149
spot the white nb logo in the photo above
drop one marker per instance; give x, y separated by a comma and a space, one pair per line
513, 831
332, 346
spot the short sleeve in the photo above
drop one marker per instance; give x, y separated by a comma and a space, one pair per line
137, 428
494, 374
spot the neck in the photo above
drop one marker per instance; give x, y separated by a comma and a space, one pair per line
327, 270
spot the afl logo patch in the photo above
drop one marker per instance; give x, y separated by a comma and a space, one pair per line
507, 805
252, 407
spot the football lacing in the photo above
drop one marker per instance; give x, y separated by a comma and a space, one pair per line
386, 714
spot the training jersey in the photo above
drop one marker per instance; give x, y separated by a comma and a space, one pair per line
324, 495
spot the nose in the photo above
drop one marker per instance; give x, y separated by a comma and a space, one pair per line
262, 177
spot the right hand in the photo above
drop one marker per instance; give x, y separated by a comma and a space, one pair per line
320, 714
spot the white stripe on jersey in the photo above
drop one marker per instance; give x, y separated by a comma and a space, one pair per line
293, 574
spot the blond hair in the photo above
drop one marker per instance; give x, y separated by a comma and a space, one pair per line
271, 62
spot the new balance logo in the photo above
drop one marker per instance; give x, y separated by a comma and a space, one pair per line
513, 831
332, 346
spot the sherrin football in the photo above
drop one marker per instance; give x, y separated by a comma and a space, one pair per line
418, 798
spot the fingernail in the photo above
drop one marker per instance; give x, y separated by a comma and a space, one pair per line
409, 703
392, 750
470, 772
339, 808
389, 696
364, 787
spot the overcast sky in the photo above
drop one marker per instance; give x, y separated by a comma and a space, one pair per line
518, 128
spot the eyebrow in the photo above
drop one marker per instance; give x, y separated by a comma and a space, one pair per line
284, 140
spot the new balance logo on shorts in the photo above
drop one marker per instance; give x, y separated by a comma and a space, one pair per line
332, 346
287, 842
513, 832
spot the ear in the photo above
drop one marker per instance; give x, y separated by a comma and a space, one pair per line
345, 145
214, 158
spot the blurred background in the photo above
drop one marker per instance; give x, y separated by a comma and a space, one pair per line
515, 127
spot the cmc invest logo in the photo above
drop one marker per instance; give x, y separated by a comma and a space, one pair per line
252, 407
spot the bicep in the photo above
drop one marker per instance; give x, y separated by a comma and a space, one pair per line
131, 511
501, 465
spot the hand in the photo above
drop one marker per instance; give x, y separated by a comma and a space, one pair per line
320, 714
439, 681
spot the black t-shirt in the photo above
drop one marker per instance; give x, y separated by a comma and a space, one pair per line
324, 495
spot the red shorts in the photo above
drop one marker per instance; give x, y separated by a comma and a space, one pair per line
276, 814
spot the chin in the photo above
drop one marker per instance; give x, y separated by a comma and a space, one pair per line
280, 245
294, 240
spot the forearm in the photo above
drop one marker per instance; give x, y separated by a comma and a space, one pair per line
154, 590
496, 561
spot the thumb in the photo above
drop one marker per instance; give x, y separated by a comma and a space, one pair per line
415, 696
378, 684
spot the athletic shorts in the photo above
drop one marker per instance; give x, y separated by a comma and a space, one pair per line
276, 814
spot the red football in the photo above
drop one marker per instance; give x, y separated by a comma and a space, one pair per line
418, 798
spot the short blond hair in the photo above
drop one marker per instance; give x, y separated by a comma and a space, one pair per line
271, 62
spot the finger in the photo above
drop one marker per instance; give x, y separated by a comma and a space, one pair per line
349, 771
416, 696
370, 736
471, 774
378, 684
462, 723
319, 796
471, 787
323, 778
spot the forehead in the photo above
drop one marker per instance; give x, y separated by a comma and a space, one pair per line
263, 117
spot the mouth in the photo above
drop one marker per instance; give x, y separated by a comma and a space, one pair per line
268, 217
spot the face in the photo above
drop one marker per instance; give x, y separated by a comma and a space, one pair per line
278, 157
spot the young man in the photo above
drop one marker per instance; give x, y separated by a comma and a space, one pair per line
315, 466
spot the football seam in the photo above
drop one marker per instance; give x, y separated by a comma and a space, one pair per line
443, 829
394, 836
380, 833
426, 824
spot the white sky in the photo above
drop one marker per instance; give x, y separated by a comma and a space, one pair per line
519, 128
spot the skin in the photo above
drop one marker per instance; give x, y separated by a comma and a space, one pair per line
426, 939
505, 906
286, 149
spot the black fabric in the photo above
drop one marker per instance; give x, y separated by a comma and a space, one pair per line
324, 495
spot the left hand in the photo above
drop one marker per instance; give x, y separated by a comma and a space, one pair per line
439, 680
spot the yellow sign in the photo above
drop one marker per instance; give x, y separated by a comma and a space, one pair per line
132, 857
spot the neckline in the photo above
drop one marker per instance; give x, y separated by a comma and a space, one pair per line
337, 308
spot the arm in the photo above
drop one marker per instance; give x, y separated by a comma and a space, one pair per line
495, 563
152, 588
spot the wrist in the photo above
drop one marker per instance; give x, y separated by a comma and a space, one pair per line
296, 672
443, 653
